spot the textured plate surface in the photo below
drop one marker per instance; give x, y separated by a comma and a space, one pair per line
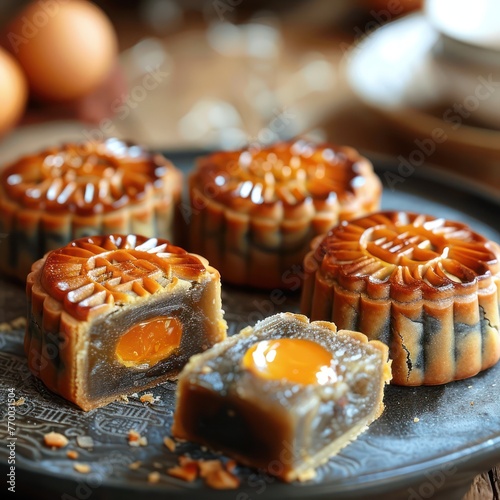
456, 436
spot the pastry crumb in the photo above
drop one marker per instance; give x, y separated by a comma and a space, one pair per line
20, 402
203, 449
169, 443
143, 441
187, 472
4, 327
72, 454
157, 465
416, 419
124, 398
154, 477
147, 398
472, 403
85, 442
207, 467
55, 440
133, 437
308, 475
135, 395
469, 387
180, 440
82, 468
222, 480
185, 460
206, 369
18, 323
135, 465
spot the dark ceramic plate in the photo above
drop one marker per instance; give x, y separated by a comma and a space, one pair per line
457, 434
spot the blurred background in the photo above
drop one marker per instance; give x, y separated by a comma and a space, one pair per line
414, 80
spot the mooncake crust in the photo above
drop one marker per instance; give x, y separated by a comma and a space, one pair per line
427, 287
75, 291
78, 189
254, 212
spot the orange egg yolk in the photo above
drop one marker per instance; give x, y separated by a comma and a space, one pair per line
296, 360
149, 342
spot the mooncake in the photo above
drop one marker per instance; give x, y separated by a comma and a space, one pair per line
254, 212
284, 395
81, 189
425, 286
112, 315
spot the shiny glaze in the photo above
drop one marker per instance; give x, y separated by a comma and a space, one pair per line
287, 173
85, 178
90, 275
409, 251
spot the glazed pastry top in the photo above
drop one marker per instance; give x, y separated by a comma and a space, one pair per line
90, 275
407, 250
85, 178
288, 174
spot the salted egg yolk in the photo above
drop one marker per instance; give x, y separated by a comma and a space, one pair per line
299, 361
149, 342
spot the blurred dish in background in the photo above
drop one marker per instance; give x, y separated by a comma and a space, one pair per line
224, 86
405, 71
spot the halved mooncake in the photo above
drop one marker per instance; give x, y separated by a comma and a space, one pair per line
284, 395
427, 287
63, 193
111, 315
254, 212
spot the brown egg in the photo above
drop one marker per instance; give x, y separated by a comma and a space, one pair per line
66, 48
13, 91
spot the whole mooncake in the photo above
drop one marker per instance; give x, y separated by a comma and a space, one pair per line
284, 395
111, 315
63, 193
427, 287
254, 213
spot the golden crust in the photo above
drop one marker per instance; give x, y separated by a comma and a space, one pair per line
63, 193
253, 213
427, 287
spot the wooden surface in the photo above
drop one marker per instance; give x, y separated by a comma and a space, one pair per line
486, 486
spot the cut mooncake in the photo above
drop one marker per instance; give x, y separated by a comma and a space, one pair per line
254, 212
284, 395
63, 193
111, 315
427, 287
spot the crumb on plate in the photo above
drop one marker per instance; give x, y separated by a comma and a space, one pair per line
55, 440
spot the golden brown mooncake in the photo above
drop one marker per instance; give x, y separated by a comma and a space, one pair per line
63, 193
427, 287
112, 315
254, 213
284, 395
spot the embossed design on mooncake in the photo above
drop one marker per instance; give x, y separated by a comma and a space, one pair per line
426, 286
85, 178
91, 275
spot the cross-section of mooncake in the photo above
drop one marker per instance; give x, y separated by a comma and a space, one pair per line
284, 395
427, 287
111, 315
